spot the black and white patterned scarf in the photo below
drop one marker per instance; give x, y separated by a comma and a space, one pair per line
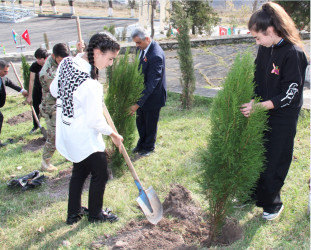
69, 79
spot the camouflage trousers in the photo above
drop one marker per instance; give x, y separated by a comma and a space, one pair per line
49, 146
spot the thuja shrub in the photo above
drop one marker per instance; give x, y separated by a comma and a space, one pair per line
187, 80
26, 72
126, 84
234, 157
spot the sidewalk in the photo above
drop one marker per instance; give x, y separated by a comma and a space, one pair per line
211, 64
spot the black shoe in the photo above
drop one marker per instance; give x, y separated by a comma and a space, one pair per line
3, 144
33, 130
105, 216
74, 218
145, 152
136, 150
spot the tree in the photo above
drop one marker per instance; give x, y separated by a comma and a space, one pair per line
233, 159
187, 80
255, 3
126, 84
26, 72
201, 14
299, 11
153, 8
132, 6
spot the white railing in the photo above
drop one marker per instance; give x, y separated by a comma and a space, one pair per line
13, 14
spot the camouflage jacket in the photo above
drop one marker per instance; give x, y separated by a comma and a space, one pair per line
47, 74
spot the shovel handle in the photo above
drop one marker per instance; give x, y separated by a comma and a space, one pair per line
20, 83
123, 150
36, 117
79, 29
19, 80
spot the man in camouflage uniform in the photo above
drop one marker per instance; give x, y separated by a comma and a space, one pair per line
48, 104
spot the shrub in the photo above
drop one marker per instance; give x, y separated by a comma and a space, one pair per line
234, 157
187, 80
26, 72
126, 84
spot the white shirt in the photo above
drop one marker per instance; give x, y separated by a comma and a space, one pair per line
146, 50
79, 115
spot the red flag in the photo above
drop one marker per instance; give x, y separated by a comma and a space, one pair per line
222, 31
25, 35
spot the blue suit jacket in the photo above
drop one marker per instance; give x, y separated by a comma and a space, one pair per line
153, 68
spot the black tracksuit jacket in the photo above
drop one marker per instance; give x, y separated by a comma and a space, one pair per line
279, 77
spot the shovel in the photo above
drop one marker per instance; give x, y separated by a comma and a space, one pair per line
147, 199
43, 131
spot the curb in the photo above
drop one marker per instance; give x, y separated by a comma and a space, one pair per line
71, 16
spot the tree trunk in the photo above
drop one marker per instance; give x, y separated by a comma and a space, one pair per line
132, 4
193, 30
255, 5
153, 7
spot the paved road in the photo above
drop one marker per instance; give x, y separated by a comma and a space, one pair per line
57, 29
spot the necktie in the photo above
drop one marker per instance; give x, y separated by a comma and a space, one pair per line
142, 56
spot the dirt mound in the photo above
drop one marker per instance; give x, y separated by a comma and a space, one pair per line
180, 204
35, 144
23, 117
186, 229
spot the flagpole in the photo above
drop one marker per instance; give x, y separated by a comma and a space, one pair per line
20, 37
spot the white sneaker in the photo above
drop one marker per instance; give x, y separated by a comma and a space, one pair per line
268, 216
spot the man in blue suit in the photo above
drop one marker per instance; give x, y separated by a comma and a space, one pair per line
152, 61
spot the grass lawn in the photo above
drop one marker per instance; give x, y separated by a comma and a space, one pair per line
35, 219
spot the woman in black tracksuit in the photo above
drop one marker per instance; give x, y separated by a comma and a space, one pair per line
279, 77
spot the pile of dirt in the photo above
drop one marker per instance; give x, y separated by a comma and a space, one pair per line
23, 117
35, 144
186, 228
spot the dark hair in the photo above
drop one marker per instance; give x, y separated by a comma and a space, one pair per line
60, 50
272, 14
41, 53
4, 64
104, 42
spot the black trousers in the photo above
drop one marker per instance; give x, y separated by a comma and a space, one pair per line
1, 121
96, 165
36, 101
147, 126
279, 146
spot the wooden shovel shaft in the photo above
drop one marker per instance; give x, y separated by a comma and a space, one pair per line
79, 29
20, 82
123, 150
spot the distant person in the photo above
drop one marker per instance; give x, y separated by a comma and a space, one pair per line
35, 89
4, 81
152, 61
52, 4
279, 77
48, 104
80, 125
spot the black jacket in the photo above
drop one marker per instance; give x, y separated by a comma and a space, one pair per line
279, 76
7, 82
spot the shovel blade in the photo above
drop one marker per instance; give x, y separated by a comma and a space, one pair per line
151, 205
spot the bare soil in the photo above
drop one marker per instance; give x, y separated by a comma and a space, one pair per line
35, 144
23, 117
184, 226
